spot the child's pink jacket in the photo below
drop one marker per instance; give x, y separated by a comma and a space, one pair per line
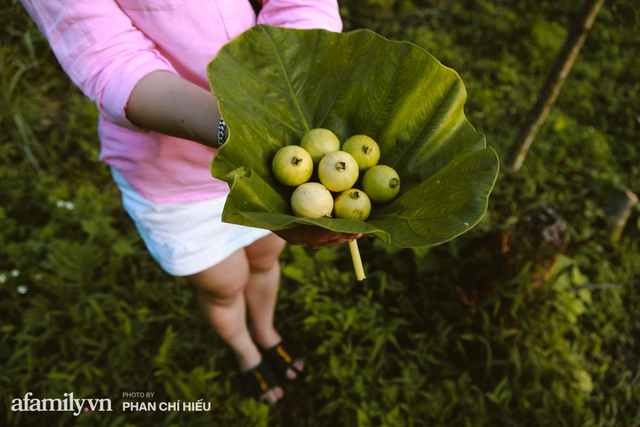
107, 46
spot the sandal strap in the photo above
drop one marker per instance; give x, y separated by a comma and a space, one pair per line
282, 356
259, 379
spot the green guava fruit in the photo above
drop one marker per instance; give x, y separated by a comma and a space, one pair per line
312, 200
381, 183
364, 149
352, 204
292, 165
319, 142
338, 171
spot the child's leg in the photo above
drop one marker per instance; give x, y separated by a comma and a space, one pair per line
262, 291
262, 288
221, 295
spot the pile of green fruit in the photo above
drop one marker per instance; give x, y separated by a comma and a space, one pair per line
338, 170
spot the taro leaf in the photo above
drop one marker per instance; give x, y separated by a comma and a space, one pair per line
274, 84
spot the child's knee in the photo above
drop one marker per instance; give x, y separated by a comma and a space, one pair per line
263, 265
263, 262
264, 254
221, 291
225, 280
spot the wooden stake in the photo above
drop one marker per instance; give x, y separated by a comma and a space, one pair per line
619, 209
551, 89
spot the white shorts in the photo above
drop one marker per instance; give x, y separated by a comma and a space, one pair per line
185, 237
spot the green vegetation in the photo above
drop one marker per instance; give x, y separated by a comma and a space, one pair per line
452, 336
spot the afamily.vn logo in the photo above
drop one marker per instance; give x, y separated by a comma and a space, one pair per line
68, 403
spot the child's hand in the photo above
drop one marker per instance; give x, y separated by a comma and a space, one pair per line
315, 237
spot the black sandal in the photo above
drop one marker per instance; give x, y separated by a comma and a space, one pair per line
281, 358
259, 379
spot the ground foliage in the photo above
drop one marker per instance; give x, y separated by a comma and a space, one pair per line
426, 340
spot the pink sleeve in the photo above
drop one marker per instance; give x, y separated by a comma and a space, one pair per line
99, 48
301, 14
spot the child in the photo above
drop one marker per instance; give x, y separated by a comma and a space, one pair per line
143, 62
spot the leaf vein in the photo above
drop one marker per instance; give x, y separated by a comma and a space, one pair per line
388, 91
286, 77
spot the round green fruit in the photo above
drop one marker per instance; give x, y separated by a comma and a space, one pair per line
364, 149
319, 142
292, 165
352, 204
381, 183
312, 200
338, 171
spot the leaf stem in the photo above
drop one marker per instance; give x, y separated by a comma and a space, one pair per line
357, 261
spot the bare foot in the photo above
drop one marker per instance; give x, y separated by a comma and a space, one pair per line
262, 384
249, 362
298, 366
272, 395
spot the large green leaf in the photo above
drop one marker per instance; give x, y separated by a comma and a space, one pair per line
274, 84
